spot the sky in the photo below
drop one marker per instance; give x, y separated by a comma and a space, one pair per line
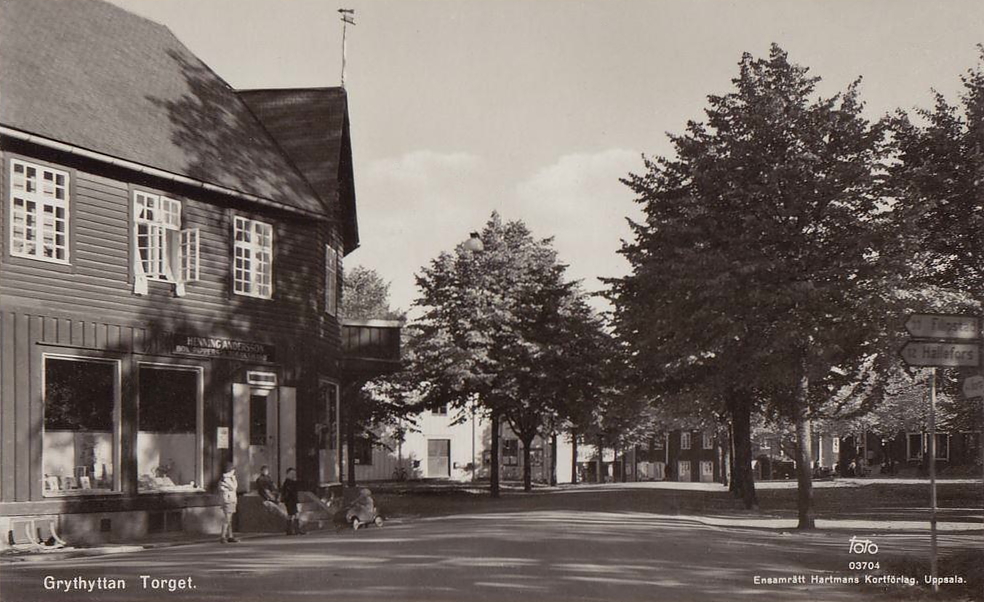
536, 108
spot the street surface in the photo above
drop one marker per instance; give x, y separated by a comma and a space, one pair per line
526, 555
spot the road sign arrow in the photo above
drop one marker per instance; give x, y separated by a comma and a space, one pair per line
974, 386
943, 326
932, 353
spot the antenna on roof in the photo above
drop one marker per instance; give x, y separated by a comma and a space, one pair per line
348, 18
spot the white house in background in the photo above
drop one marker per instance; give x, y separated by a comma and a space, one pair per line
438, 447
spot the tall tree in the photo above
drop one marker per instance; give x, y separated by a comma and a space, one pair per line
939, 189
491, 324
755, 269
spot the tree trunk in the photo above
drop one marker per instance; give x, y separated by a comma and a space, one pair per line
574, 457
527, 469
724, 459
732, 482
553, 458
350, 439
804, 455
601, 450
741, 413
494, 474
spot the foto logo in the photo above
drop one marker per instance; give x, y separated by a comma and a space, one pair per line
862, 546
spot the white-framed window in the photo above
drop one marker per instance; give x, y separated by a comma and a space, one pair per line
331, 280
684, 439
441, 410
706, 440
38, 212
252, 271
835, 445
164, 251
81, 438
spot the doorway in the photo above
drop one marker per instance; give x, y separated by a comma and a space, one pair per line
264, 432
438, 458
683, 471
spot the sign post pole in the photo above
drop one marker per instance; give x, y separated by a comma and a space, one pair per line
932, 478
949, 341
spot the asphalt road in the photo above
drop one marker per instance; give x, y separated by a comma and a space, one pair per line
532, 555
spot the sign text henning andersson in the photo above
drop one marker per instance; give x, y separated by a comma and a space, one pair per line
188, 344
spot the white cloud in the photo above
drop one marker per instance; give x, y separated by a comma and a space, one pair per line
414, 206
423, 167
581, 202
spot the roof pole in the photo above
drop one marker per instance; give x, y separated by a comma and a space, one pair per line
348, 18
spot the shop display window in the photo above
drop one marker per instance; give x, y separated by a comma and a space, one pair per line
80, 454
169, 432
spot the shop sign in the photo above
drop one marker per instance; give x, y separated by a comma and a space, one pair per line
186, 344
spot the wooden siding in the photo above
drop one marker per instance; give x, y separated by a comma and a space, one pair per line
88, 307
99, 280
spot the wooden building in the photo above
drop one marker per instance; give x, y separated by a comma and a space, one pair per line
169, 276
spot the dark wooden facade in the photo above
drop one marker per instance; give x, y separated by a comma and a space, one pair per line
88, 309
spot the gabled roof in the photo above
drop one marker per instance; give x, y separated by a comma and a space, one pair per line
311, 125
92, 75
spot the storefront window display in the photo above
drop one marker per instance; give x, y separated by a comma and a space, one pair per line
80, 453
169, 435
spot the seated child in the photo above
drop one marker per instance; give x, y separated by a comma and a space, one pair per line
363, 509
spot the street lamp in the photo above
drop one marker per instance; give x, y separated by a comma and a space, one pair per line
474, 243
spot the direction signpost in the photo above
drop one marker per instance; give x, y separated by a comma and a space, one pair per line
947, 341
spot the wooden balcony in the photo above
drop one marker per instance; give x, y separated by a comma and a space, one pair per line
370, 348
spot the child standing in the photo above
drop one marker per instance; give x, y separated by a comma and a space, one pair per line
289, 495
227, 487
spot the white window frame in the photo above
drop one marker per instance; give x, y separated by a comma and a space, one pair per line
331, 281
684, 439
835, 445
706, 440
162, 250
117, 423
45, 204
251, 239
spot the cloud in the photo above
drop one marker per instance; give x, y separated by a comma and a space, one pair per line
423, 168
412, 207
581, 202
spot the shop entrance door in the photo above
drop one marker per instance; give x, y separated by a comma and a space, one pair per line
264, 432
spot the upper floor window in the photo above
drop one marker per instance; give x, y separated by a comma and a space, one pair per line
706, 440
165, 252
252, 272
684, 440
38, 212
441, 410
331, 280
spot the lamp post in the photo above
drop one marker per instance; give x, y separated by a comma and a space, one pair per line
474, 246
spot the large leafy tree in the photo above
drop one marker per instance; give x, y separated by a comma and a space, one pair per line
494, 327
757, 267
939, 188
